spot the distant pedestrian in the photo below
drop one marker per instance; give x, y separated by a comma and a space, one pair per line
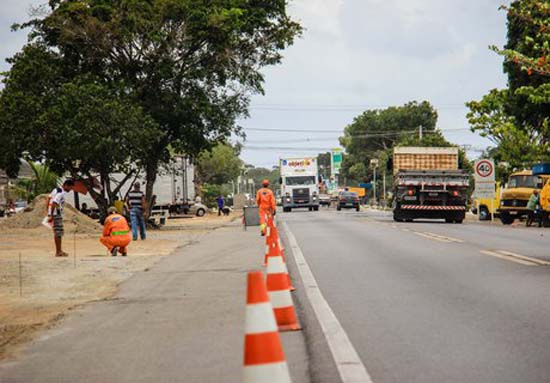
221, 204
532, 207
116, 233
135, 201
56, 203
267, 206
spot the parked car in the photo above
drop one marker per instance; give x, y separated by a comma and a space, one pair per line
197, 209
348, 200
324, 200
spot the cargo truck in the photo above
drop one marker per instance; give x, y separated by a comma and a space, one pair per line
428, 184
299, 183
513, 203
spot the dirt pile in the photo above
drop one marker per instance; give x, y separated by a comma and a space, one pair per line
73, 220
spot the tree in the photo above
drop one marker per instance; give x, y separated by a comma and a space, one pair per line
219, 165
78, 125
260, 174
43, 181
376, 131
324, 162
517, 119
183, 68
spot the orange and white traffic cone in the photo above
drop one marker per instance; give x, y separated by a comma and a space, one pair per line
274, 236
278, 289
273, 250
264, 359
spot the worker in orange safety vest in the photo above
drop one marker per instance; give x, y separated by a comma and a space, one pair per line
116, 233
266, 205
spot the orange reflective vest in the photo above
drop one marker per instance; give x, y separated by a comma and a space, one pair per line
265, 199
115, 225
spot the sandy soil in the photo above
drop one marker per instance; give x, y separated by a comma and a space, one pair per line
51, 286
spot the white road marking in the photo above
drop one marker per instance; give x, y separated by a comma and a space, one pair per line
350, 366
507, 257
451, 239
538, 262
425, 235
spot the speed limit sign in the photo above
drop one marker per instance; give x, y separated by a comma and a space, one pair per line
485, 169
485, 178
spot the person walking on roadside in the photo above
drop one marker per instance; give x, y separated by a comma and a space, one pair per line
266, 205
135, 201
221, 203
532, 207
116, 233
56, 203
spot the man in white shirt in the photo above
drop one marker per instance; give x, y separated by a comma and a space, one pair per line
55, 214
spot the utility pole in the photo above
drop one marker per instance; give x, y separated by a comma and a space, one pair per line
374, 163
184, 178
384, 187
374, 187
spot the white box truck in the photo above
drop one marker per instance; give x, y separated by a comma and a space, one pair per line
299, 183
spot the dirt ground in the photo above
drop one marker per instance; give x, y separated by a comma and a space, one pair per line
50, 286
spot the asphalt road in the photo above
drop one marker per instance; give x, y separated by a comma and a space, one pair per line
433, 302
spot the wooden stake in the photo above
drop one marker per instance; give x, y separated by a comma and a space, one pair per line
20, 276
74, 248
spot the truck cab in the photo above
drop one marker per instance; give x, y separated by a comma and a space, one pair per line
513, 202
299, 183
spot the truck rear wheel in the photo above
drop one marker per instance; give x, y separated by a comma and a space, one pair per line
506, 219
397, 217
287, 209
484, 214
316, 208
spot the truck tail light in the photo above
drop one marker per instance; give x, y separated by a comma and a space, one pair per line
410, 192
455, 193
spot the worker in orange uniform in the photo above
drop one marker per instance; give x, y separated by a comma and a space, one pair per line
266, 205
116, 233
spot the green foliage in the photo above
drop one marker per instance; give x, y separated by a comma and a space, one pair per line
43, 181
145, 77
377, 131
219, 165
260, 174
517, 119
528, 48
211, 192
324, 162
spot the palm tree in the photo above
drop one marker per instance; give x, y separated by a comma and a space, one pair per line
43, 181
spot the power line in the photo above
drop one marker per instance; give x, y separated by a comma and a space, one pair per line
335, 107
368, 134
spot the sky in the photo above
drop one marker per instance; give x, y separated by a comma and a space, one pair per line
356, 55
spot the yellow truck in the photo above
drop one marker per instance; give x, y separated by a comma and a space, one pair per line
485, 207
513, 202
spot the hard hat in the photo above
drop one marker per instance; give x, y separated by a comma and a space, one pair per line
265, 182
112, 210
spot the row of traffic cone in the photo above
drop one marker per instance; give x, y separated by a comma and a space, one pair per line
270, 309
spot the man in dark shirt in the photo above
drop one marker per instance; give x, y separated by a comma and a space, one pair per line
135, 201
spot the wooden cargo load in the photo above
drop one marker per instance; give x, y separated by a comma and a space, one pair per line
424, 158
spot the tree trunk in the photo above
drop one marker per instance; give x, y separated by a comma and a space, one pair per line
151, 171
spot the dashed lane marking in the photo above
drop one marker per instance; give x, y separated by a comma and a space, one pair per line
517, 258
450, 239
350, 366
530, 259
426, 235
